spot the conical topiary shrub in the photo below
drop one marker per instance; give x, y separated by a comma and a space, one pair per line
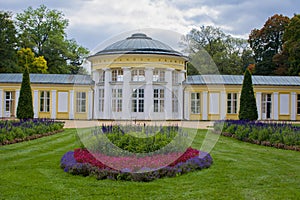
25, 107
248, 109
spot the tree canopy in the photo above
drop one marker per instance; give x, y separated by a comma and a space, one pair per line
267, 42
209, 45
8, 44
43, 31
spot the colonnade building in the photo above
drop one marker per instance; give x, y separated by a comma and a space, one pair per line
140, 78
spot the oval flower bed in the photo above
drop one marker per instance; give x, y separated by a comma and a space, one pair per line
82, 162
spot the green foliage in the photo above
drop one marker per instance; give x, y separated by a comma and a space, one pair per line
26, 58
25, 105
274, 133
267, 42
209, 46
13, 129
292, 45
44, 31
8, 41
135, 139
248, 109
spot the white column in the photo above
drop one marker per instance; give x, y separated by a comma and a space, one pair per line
168, 93
35, 103
1, 103
181, 77
96, 94
90, 104
148, 109
275, 99
71, 111
107, 94
205, 105
126, 93
223, 105
293, 105
258, 104
53, 104
186, 105
17, 101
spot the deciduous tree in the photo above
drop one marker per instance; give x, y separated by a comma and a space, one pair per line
43, 30
34, 64
8, 44
267, 42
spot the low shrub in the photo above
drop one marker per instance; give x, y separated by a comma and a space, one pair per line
19, 130
276, 134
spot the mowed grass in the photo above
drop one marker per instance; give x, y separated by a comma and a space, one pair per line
30, 170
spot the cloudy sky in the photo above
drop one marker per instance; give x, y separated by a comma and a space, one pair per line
93, 22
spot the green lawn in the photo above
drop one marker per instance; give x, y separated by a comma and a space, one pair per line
30, 170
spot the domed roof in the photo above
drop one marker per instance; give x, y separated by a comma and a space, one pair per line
139, 43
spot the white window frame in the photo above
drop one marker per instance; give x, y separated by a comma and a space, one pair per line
298, 104
195, 102
80, 102
117, 75
101, 76
101, 100
158, 100
175, 77
138, 75
45, 101
116, 100
232, 103
138, 101
158, 75
175, 101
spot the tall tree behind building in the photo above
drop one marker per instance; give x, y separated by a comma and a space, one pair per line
267, 42
43, 30
8, 44
209, 45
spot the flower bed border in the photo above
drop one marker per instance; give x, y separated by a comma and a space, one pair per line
70, 165
263, 143
28, 138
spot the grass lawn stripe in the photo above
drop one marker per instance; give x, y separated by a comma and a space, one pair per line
30, 170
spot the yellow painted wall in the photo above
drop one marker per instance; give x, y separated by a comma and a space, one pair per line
137, 61
50, 87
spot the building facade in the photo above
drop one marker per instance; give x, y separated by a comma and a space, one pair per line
140, 78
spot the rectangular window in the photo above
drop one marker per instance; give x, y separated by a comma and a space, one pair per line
175, 101
232, 103
195, 103
138, 75
117, 75
158, 75
117, 100
44, 101
159, 100
298, 104
175, 77
80, 102
9, 101
138, 100
101, 76
101, 100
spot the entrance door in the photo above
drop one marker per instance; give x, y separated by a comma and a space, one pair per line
266, 106
9, 104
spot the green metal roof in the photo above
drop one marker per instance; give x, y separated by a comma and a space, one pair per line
48, 79
238, 80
